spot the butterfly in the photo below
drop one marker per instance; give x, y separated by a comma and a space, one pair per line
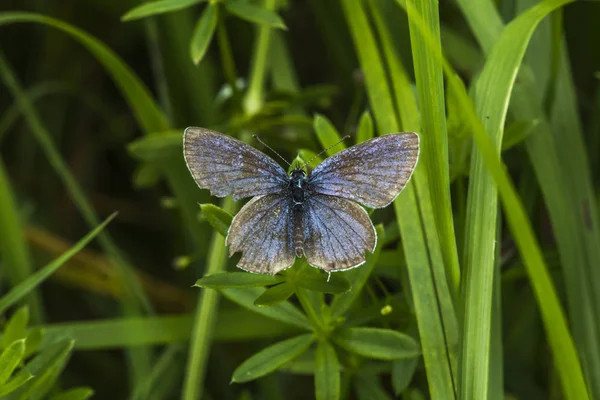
315, 215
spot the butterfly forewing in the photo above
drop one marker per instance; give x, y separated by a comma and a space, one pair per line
262, 231
372, 173
227, 166
337, 233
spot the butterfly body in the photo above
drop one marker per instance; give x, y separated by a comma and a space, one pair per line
315, 215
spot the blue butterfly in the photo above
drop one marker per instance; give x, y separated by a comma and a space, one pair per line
312, 215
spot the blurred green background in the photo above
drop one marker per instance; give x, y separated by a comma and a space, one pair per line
484, 282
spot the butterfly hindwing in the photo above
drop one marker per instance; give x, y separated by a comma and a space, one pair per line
372, 173
227, 166
262, 231
337, 233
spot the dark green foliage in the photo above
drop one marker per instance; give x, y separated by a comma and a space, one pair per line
483, 284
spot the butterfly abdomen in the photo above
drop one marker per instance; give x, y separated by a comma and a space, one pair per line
298, 232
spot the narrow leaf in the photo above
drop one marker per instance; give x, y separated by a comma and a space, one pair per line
33, 341
15, 329
203, 33
157, 7
225, 280
284, 312
10, 359
157, 146
328, 136
255, 14
17, 293
365, 128
327, 372
271, 358
19, 380
275, 295
383, 344
82, 393
217, 217
402, 373
517, 132
312, 279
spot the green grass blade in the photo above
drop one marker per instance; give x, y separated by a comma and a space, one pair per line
117, 333
423, 288
328, 136
15, 328
408, 111
493, 92
204, 320
13, 246
10, 359
563, 350
434, 138
254, 98
19, 291
365, 128
203, 33
156, 8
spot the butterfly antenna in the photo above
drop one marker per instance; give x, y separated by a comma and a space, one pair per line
270, 148
326, 150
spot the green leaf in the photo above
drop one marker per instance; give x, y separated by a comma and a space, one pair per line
312, 279
255, 14
311, 156
226, 280
275, 295
402, 373
365, 128
19, 291
45, 368
429, 79
203, 33
517, 132
383, 344
297, 163
10, 359
358, 278
284, 312
81, 393
328, 136
19, 380
327, 372
368, 387
15, 329
271, 358
217, 218
436, 323
157, 146
33, 341
157, 7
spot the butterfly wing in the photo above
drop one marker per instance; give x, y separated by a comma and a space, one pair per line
227, 166
337, 233
372, 173
262, 231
